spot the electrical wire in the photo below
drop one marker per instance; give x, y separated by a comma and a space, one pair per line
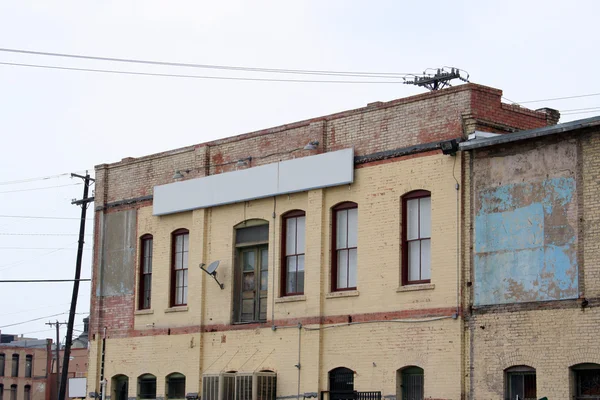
227, 78
209, 66
35, 319
40, 178
41, 234
40, 188
38, 308
43, 280
40, 248
559, 98
42, 217
581, 112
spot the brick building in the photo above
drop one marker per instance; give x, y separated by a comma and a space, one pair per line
24, 370
533, 278
340, 250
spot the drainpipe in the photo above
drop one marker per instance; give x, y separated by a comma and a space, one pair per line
299, 366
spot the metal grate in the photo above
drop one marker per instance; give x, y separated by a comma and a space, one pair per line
266, 386
210, 387
243, 387
227, 386
368, 395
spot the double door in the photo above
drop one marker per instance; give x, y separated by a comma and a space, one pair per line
254, 276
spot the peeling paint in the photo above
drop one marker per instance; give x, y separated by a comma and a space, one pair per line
525, 242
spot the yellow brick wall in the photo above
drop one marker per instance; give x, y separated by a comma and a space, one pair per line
375, 350
550, 337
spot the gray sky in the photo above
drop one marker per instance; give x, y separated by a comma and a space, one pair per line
54, 122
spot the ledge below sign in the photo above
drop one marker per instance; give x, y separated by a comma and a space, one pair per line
291, 176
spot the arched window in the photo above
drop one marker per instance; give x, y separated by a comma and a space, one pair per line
1, 391
175, 384
251, 270
147, 386
341, 383
120, 387
292, 252
586, 381
27, 392
180, 241
520, 381
145, 280
416, 237
344, 246
410, 383
13, 392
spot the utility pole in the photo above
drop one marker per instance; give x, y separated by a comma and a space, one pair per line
87, 181
58, 324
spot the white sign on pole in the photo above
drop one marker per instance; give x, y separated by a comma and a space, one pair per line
77, 387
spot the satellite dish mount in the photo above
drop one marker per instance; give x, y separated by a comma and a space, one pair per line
212, 271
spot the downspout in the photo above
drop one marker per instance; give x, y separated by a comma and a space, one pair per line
102, 381
299, 366
273, 327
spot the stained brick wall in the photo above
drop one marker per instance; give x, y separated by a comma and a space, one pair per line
201, 334
550, 336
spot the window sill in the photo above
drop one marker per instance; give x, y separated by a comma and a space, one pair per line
144, 312
344, 293
412, 288
176, 309
289, 299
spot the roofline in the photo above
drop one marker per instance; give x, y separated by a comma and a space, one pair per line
374, 106
531, 133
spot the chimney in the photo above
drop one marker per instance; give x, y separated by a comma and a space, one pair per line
552, 115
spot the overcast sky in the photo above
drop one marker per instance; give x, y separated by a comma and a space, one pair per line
55, 121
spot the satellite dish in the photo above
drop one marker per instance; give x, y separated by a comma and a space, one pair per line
212, 271
212, 268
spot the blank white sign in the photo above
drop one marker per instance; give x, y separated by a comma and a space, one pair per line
77, 387
314, 172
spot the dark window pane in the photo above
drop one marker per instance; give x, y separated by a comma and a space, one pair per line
176, 387
147, 387
28, 361
15, 365
588, 382
2, 361
252, 234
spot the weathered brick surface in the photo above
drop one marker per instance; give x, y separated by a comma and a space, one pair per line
551, 336
383, 336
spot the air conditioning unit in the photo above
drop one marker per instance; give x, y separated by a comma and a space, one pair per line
240, 386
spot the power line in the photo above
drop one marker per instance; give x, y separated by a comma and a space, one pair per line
40, 248
40, 234
35, 319
581, 109
222, 67
229, 78
35, 309
559, 98
44, 280
40, 217
39, 178
581, 112
40, 188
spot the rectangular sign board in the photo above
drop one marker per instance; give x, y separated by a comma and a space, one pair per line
77, 387
291, 176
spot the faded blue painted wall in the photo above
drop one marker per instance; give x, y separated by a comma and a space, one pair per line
525, 242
